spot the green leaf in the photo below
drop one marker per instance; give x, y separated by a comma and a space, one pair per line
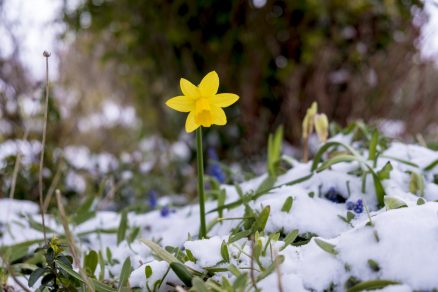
394, 203
199, 285
148, 271
385, 172
287, 205
318, 156
271, 268
274, 151
266, 184
182, 272
373, 284
421, 201
372, 152
133, 235
290, 238
374, 266
38, 273
262, 219
224, 252
327, 247
97, 285
257, 195
123, 226
102, 266
239, 235
431, 165
90, 263
124, 274
337, 159
416, 184
160, 252
190, 255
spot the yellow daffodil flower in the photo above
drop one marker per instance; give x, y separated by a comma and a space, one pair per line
202, 102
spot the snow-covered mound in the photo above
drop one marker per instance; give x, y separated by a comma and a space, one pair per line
326, 229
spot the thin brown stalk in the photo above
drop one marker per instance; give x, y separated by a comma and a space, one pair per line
251, 272
278, 272
43, 145
70, 241
17, 167
53, 186
306, 150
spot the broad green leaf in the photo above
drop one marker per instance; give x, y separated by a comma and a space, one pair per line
262, 219
394, 203
224, 252
123, 226
182, 272
148, 271
35, 275
287, 204
266, 184
337, 159
372, 285
100, 287
385, 172
416, 184
318, 156
124, 274
373, 265
325, 246
421, 201
160, 252
431, 165
199, 285
290, 238
372, 151
90, 263
239, 235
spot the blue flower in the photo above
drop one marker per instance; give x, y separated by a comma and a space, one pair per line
214, 169
334, 196
165, 211
153, 199
350, 205
356, 207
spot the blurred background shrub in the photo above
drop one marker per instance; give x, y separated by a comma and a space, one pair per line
120, 60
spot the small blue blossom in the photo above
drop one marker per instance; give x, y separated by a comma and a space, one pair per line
214, 169
153, 199
350, 205
356, 207
334, 196
165, 211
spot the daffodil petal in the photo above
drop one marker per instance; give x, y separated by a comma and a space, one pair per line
224, 99
191, 125
181, 103
209, 84
188, 88
218, 116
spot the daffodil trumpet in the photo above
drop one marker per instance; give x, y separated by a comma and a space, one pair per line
205, 108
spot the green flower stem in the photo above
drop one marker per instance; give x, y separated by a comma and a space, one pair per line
200, 159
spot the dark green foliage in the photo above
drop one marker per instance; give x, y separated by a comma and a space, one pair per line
278, 57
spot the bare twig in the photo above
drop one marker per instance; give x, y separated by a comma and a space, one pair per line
278, 272
53, 186
253, 278
43, 145
71, 243
17, 167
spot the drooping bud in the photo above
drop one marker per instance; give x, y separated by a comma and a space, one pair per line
321, 126
308, 120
